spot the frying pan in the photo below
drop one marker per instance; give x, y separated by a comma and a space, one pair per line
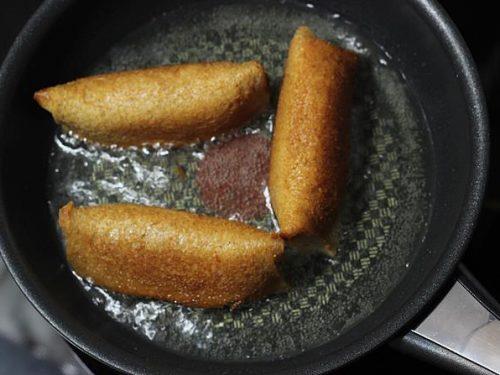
418, 173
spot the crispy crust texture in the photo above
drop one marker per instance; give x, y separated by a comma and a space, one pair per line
310, 147
194, 260
175, 104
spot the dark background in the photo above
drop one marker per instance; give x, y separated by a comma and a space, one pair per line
479, 26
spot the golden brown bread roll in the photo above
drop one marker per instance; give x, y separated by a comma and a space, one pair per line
194, 260
310, 146
175, 104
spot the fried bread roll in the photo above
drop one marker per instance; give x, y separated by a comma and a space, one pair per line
310, 146
175, 104
194, 260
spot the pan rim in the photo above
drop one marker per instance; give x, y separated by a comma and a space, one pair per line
50, 11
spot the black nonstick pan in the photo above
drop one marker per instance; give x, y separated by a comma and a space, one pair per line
418, 169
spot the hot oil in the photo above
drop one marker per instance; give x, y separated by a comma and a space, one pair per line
383, 214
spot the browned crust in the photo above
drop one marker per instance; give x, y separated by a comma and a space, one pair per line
194, 260
175, 104
310, 147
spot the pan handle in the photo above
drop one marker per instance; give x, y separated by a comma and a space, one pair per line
462, 333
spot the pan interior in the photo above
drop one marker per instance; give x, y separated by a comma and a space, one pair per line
382, 220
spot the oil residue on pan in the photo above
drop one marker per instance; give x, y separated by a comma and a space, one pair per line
383, 214
232, 177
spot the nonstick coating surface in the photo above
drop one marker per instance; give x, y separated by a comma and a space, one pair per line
446, 174
384, 212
